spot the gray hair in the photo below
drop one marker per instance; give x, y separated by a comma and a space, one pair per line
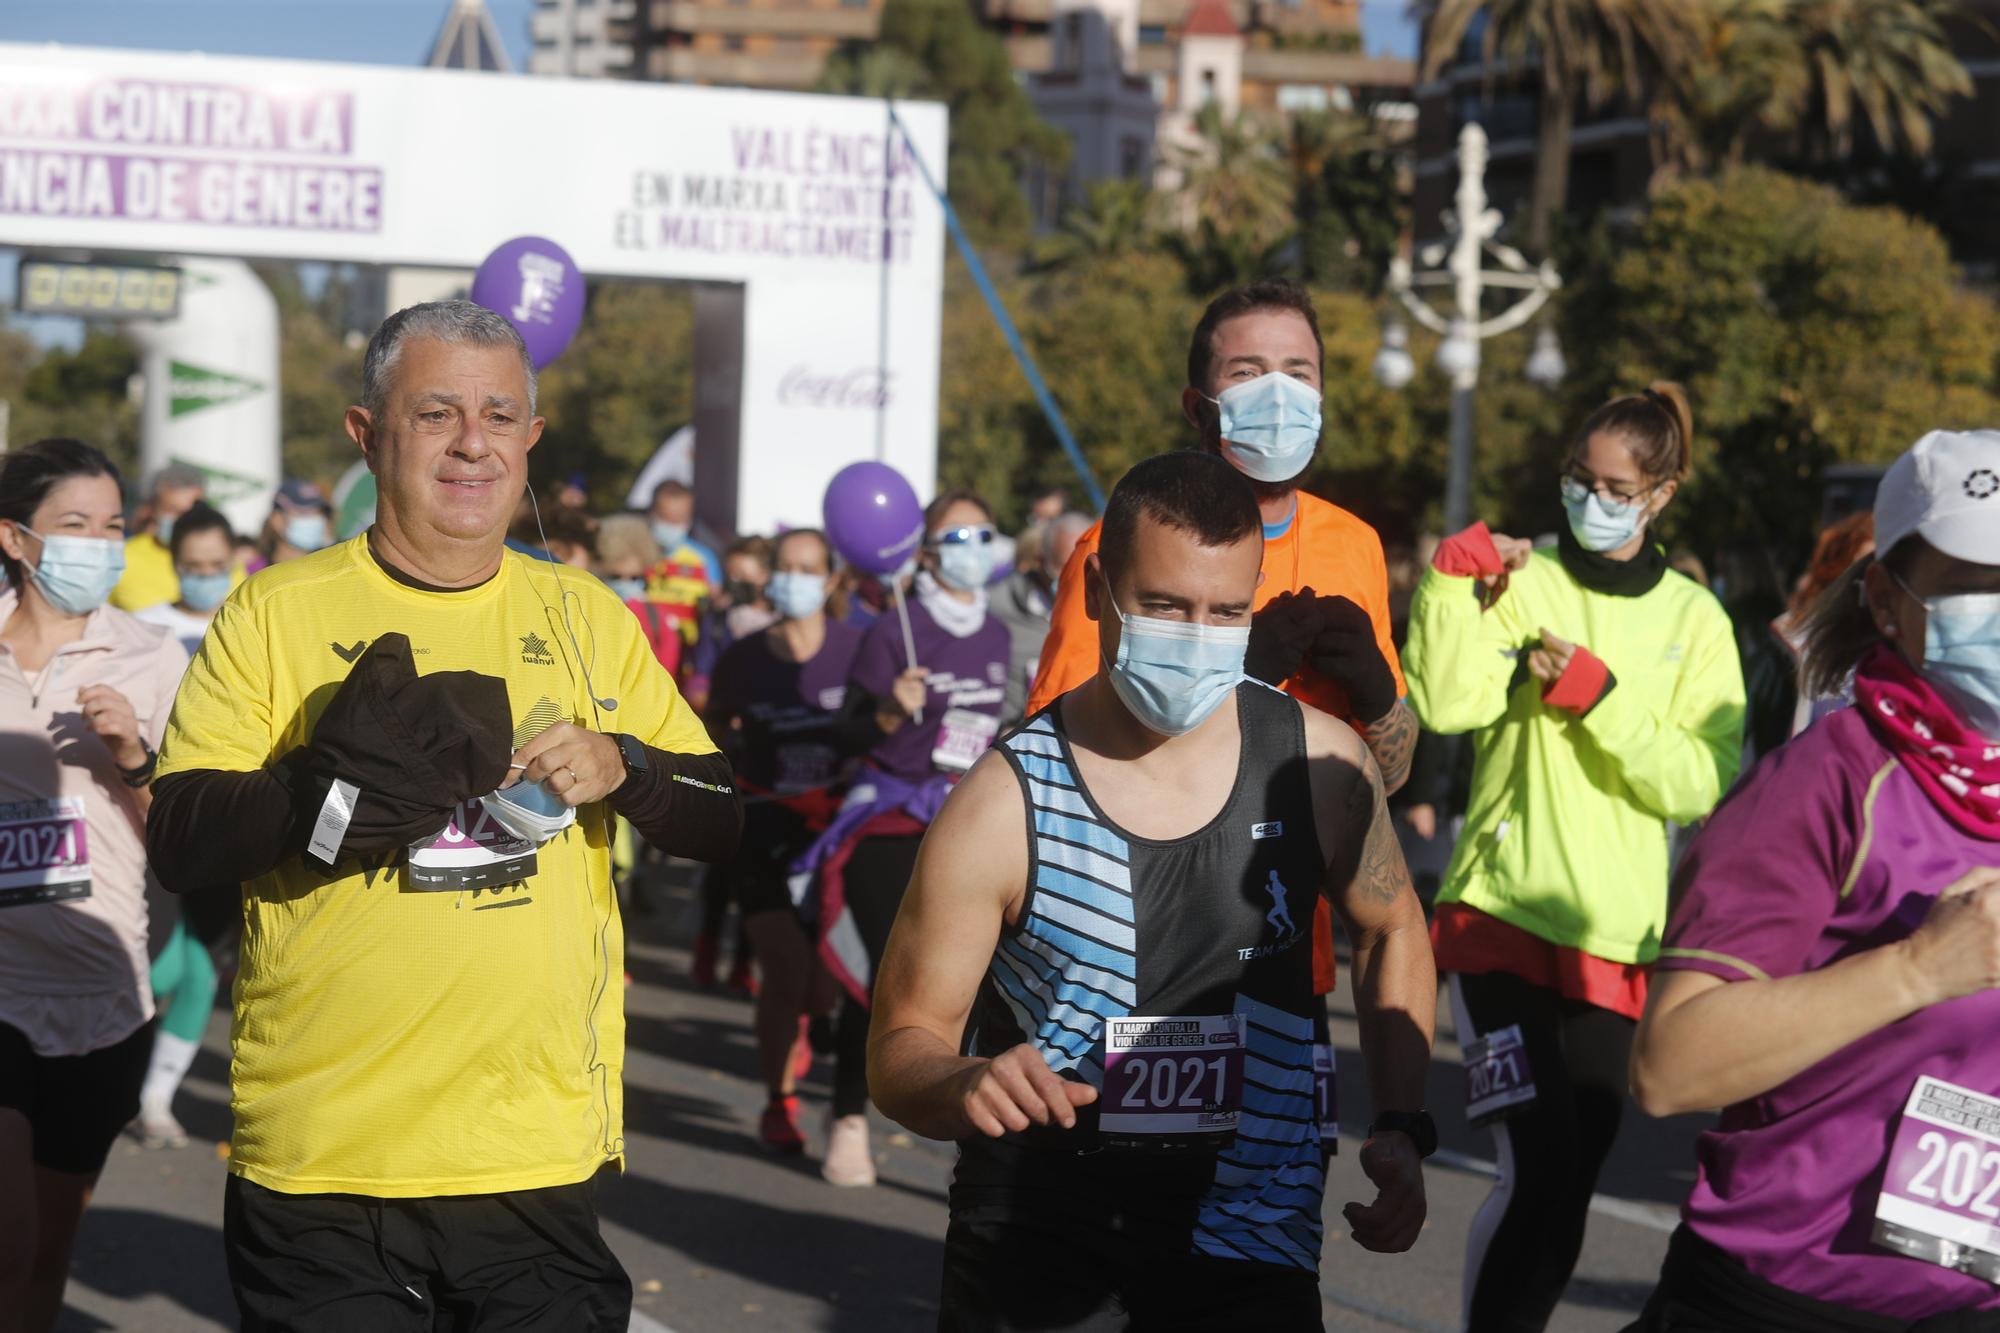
460, 323
1052, 535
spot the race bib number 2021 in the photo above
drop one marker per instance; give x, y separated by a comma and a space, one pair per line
1940, 1199
44, 852
1172, 1081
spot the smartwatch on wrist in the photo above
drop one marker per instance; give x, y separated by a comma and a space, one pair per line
1418, 1125
633, 752
143, 774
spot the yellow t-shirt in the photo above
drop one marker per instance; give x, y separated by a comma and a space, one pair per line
150, 578
403, 1043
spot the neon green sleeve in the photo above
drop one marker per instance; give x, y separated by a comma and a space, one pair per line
1459, 660
1678, 754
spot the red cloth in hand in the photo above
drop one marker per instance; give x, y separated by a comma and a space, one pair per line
1469, 554
1583, 682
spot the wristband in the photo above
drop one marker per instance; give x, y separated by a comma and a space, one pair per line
143, 774
1418, 1125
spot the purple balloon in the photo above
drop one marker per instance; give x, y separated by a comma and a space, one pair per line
873, 518
535, 284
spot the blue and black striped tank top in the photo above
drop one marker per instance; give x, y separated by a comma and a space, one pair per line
1215, 923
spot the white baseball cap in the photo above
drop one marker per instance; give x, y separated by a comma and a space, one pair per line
1946, 489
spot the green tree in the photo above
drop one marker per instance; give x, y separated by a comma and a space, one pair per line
619, 389
81, 393
938, 49
1233, 178
1813, 71
1346, 198
1116, 217
1808, 331
1585, 51
319, 377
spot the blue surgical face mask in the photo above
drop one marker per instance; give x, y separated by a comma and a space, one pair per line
1600, 524
164, 529
966, 566
530, 811
627, 590
1962, 657
669, 535
77, 573
204, 592
796, 594
306, 532
1270, 425
1171, 674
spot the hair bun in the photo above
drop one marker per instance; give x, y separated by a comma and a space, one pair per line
1674, 399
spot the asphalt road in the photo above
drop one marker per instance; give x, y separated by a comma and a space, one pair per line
720, 1238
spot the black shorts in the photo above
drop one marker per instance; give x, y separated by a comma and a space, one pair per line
526, 1262
75, 1104
760, 873
1010, 1276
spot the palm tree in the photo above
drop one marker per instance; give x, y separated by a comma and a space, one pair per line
1116, 217
1232, 179
1810, 70
1890, 61
1586, 50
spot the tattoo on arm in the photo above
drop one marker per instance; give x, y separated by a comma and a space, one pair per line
1393, 741
1379, 873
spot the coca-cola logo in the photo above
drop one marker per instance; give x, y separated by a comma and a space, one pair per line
864, 387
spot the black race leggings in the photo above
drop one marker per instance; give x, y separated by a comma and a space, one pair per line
877, 874
1527, 1235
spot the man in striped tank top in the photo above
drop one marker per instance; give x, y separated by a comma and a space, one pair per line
1100, 982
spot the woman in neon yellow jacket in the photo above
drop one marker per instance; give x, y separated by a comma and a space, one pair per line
1605, 700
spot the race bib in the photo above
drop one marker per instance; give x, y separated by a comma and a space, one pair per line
1326, 1097
44, 852
1940, 1199
1172, 1082
962, 738
1497, 1076
472, 851
804, 765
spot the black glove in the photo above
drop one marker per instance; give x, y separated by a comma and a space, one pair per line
1280, 634
1346, 653
415, 746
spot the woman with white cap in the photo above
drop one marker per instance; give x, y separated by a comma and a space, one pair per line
1831, 972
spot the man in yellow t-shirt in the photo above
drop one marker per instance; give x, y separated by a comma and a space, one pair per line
429, 1011
150, 578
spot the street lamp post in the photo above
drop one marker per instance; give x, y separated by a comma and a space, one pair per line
1459, 265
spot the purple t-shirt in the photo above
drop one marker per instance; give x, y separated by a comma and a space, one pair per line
787, 708
966, 676
1828, 848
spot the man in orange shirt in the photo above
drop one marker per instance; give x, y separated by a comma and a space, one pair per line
1322, 627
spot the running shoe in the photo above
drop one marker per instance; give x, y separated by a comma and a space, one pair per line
779, 1129
702, 973
848, 1163
156, 1129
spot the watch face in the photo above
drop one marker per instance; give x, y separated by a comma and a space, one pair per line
634, 753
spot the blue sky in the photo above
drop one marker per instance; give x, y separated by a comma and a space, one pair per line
376, 32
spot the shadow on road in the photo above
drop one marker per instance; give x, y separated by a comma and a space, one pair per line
132, 1255
857, 1267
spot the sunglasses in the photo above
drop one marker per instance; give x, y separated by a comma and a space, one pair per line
970, 536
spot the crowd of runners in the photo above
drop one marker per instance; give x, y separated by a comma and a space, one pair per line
1042, 841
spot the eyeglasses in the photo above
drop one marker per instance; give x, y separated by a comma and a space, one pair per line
969, 536
1576, 488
